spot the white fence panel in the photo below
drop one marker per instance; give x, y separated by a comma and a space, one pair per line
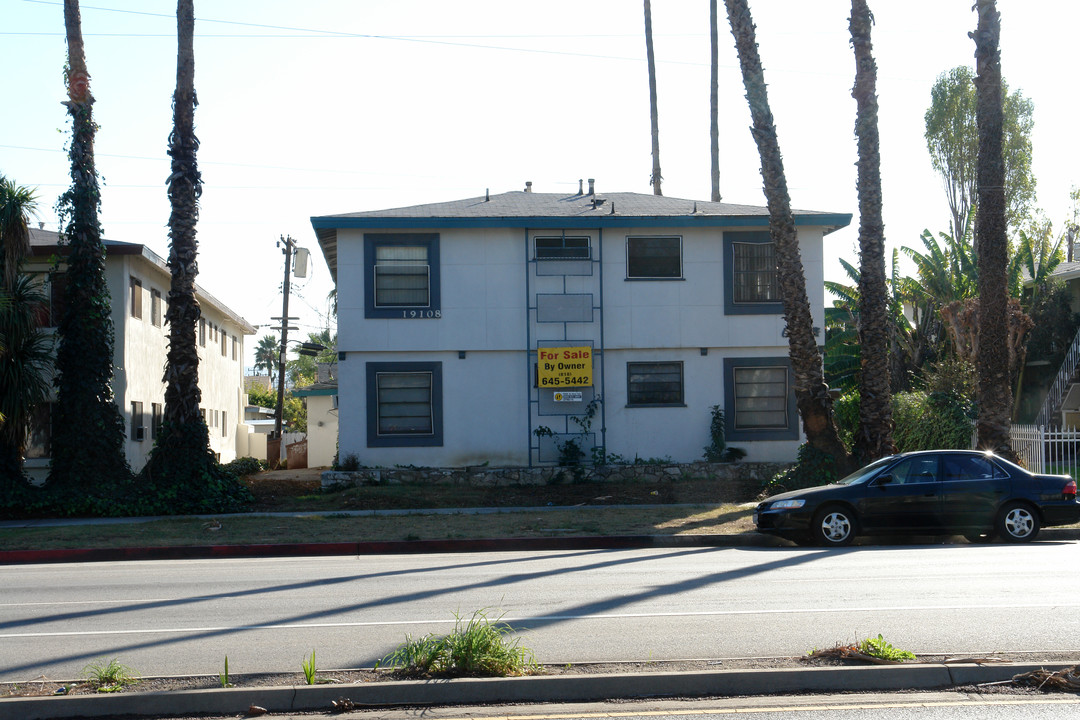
1047, 451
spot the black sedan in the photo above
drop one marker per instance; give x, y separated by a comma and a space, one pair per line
975, 494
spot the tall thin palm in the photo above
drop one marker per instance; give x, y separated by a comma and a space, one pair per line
84, 463
994, 392
874, 437
811, 392
653, 115
266, 354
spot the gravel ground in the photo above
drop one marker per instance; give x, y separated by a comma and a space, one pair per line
46, 686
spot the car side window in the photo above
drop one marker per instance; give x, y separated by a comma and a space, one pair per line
914, 470
968, 468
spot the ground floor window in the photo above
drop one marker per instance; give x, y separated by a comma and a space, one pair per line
404, 404
758, 401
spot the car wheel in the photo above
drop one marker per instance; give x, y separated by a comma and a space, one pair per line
834, 526
1018, 523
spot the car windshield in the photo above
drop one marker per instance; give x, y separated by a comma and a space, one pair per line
863, 473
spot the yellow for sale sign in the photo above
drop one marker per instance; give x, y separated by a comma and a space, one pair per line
561, 367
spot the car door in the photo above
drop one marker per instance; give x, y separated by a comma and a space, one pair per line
972, 488
904, 498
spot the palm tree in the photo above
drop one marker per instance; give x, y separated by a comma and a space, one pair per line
84, 463
266, 354
653, 117
182, 470
994, 393
714, 101
25, 372
874, 437
17, 204
811, 392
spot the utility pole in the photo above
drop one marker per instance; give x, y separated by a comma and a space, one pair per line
288, 247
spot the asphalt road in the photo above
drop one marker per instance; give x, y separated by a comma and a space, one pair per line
267, 615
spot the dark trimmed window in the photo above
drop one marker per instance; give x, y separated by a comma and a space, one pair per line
654, 384
758, 401
651, 258
751, 285
202, 332
136, 298
563, 248
155, 419
155, 307
224, 344
404, 404
402, 272
137, 431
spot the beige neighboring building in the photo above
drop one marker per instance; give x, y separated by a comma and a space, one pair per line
322, 416
138, 282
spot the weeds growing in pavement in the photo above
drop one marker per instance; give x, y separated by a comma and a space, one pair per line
223, 678
879, 648
477, 647
309, 669
111, 676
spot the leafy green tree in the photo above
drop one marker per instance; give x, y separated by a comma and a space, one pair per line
17, 205
303, 369
88, 430
25, 373
953, 141
293, 411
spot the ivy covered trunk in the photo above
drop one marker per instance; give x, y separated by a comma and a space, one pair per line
88, 429
994, 392
811, 392
874, 437
183, 474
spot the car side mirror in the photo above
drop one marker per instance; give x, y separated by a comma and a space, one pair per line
883, 480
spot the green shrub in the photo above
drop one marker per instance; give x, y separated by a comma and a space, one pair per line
846, 415
244, 466
812, 467
717, 451
478, 647
932, 421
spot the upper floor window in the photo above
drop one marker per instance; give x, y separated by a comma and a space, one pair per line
654, 383
155, 307
136, 298
202, 332
649, 258
224, 344
562, 248
402, 272
234, 346
750, 283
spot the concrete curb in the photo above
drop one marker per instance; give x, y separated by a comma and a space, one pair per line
614, 542
537, 689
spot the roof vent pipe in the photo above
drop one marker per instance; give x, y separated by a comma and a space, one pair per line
579, 187
592, 186
487, 194
528, 186
612, 207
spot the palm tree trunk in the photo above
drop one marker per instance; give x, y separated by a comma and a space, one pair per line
874, 436
88, 429
182, 393
811, 392
653, 116
714, 101
994, 392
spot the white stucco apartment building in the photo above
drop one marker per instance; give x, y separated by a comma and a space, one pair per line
466, 326
138, 282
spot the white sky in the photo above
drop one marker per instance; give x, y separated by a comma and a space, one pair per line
333, 106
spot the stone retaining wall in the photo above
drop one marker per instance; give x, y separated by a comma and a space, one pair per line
737, 481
